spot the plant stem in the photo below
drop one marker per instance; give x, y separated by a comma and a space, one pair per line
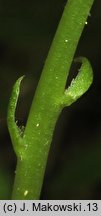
49, 100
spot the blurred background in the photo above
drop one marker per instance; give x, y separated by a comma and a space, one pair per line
74, 164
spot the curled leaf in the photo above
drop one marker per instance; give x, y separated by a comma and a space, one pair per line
80, 84
12, 126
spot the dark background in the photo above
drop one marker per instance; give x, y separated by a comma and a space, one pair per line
74, 165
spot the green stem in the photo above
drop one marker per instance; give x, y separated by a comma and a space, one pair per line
49, 100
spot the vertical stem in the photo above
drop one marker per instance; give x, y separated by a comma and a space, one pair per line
46, 105
55, 72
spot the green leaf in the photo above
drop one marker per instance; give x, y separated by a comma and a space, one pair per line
12, 126
80, 84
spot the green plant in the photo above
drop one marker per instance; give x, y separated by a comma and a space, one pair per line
32, 144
